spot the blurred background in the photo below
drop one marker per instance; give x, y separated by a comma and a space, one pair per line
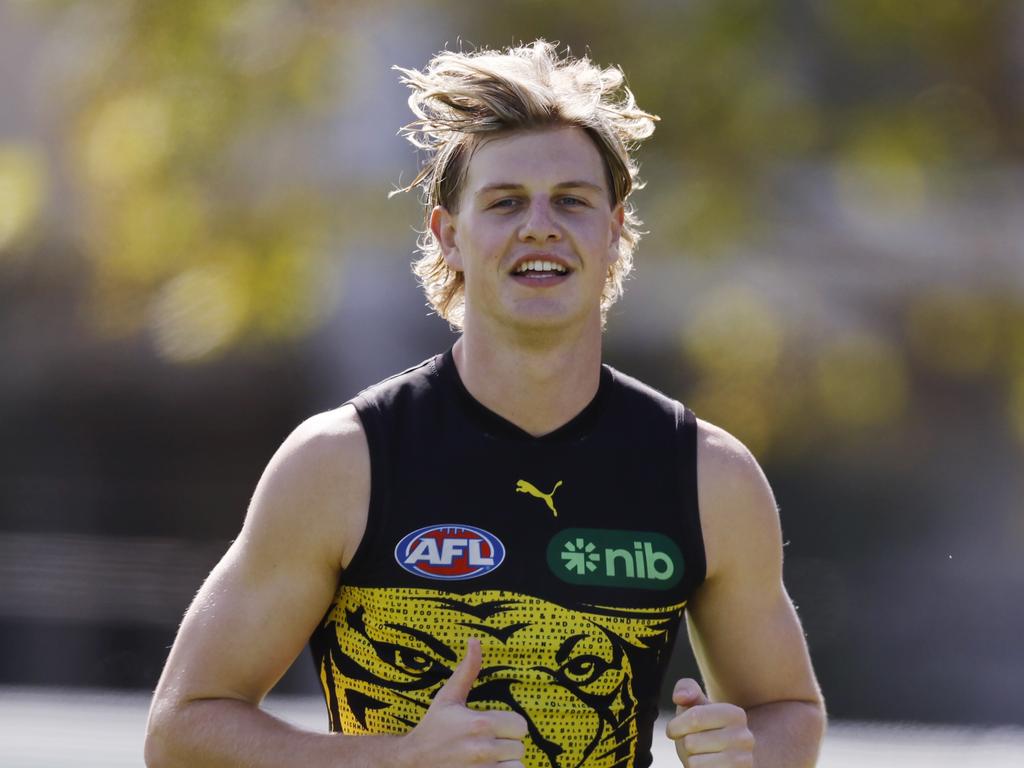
197, 251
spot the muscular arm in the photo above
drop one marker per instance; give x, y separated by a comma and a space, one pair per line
255, 612
743, 628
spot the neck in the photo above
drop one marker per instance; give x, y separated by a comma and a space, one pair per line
536, 385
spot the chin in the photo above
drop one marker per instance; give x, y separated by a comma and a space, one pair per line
543, 312
540, 314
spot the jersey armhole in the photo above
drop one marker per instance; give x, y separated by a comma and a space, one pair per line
372, 423
687, 435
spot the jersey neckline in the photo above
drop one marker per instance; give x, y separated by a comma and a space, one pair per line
495, 425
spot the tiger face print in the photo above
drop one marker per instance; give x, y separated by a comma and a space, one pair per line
568, 670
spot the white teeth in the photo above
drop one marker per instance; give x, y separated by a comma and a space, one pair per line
541, 266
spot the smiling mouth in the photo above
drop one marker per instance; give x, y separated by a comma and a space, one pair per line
540, 269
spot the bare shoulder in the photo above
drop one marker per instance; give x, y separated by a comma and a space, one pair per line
327, 434
737, 508
315, 490
725, 462
277, 578
743, 628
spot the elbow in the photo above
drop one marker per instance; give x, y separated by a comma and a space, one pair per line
157, 751
152, 752
806, 731
816, 720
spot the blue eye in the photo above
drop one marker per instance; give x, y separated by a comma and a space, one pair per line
568, 199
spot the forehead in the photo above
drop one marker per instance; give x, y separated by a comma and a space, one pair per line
536, 159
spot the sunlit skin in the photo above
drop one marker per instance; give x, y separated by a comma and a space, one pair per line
533, 195
531, 345
531, 351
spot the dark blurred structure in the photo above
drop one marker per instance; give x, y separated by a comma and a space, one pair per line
197, 252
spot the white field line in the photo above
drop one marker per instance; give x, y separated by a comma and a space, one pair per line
53, 728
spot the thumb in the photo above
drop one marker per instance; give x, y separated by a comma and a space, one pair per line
456, 689
686, 694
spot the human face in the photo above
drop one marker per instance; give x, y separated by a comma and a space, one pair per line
535, 231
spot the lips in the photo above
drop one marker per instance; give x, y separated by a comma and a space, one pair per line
540, 265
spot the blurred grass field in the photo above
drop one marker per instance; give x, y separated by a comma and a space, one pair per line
52, 728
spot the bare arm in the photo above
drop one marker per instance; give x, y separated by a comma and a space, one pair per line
258, 607
763, 700
256, 611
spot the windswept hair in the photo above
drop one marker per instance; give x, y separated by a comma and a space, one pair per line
460, 99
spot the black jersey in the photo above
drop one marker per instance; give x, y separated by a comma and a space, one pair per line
570, 556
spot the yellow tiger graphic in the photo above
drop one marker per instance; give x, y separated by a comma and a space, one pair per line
568, 670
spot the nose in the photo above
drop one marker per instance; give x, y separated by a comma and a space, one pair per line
539, 226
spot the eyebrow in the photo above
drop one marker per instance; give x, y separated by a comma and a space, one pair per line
503, 186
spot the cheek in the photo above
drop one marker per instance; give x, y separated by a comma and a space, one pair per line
602, 244
599, 239
484, 241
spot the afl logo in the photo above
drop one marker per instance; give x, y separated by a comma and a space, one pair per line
450, 552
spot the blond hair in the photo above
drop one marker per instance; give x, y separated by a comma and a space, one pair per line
461, 98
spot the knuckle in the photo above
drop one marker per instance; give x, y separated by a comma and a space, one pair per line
736, 713
521, 726
479, 752
683, 685
479, 725
691, 742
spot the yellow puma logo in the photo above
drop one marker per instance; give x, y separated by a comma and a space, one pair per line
523, 486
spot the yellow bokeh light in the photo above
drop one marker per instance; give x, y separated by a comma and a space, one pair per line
955, 333
873, 25
1013, 352
127, 137
260, 35
199, 312
710, 211
1016, 405
881, 173
152, 234
861, 382
740, 406
959, 117
737, 333
295, 289
22, 191
771, 115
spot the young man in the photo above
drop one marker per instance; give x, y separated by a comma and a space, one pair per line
493, 551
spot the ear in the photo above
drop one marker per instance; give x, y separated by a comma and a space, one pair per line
617, 221
442, 224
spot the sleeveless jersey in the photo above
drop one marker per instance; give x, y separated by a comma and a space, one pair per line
570, 556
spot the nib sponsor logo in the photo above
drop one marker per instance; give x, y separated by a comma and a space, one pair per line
613, 558
579, 556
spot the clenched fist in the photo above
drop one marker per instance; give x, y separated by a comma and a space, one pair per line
709, 735
450, 734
